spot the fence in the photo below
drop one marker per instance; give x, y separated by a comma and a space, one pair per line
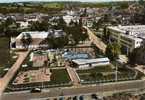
39, 85
106, 81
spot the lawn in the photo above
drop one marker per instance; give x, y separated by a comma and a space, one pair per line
6, 60
59, 76
105, 73
4, 51
53, 5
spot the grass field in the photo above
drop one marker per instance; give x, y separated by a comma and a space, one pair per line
53, 5
6, 60
4, 51
4, 54
102, 73
59, 76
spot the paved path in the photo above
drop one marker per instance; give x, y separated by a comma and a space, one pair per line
12, 71
97, 41
73, 75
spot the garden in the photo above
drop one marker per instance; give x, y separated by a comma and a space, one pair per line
102, 74
58, 78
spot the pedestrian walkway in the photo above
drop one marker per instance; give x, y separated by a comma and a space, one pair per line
93, 38
12, 71
73, 76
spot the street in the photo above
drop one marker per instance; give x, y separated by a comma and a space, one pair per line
98, 88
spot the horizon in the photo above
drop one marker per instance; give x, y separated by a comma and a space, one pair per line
13, 1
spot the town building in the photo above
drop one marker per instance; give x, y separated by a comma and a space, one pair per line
90, 63
38, 39
129, 37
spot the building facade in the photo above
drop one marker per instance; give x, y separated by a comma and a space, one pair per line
129, 37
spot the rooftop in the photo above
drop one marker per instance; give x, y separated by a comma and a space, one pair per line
34, 34
133, 31
90, 61
43, 34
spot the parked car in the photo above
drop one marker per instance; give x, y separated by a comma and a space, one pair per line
81, 97
75, 98
61, 98
94, 96
35, 90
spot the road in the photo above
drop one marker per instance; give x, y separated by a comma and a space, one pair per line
12, 71
98, 88
97, 41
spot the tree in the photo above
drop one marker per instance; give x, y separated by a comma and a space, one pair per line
61, 23
39, 26
137, 56
57, 42
9, 27
26, 40
141, 2
112, 51
95, 26
84, 14
93, 74
106, 35
76, 32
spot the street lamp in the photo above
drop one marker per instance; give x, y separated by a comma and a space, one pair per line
116, 70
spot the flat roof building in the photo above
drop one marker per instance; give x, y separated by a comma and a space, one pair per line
38, 38
129, 37
90, 63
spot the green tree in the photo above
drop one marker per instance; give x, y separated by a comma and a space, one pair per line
93, 74
95, 25
112, 51
141, 2
39, 26
76, 32
9, 27
61, 23
106, 35
26, 40
137, 56
57, 42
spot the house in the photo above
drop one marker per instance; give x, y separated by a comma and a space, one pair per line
90, 63
38, 59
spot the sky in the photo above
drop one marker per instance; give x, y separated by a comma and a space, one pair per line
6, 1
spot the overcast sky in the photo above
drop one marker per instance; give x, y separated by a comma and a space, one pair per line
2, 1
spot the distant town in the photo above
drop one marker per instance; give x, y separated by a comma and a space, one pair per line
72, 50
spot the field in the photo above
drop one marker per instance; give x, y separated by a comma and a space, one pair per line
59, 76
6, 60
106, 74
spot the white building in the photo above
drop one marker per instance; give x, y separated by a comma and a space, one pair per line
129, 37
69, 18
90, 63
38, 38
23, 24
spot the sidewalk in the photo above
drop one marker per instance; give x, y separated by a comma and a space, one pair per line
97, 41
